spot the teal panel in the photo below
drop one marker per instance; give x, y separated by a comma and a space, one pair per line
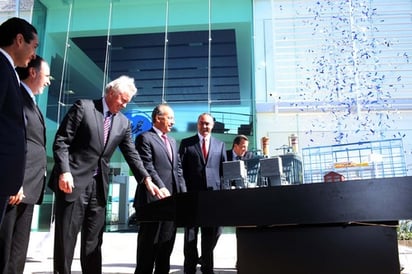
144, 16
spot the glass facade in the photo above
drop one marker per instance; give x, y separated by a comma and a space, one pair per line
200, 62
327, 72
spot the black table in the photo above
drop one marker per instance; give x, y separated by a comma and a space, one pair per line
345, 227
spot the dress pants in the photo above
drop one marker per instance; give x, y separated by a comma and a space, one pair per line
87, 213
3, 204
209, 237
14, 238
154, 246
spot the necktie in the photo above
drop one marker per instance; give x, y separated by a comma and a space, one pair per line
238, 158
106, 125
204, 148
167, 144
106, 129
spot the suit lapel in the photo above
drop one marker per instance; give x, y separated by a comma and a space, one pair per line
161, 143
172, 146
98, 115
12, 70
41, 118
199, 149
211, 145
30, 103
39, 114
37, 110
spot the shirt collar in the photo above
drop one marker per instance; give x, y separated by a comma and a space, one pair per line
105, 107
29, 91
158, 131
8, 57
201, 137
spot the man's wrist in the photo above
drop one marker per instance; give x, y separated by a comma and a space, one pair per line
147, 180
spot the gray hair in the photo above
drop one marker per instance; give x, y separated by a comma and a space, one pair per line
123, 84
205, 114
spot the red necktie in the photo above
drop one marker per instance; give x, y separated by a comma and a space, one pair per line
204, 148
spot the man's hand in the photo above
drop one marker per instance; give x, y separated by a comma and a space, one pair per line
16, 199
165, 192
154, 190
66, 182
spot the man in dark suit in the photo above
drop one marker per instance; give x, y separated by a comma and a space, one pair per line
84, 143
16, 226
159, 155
202, 159
18, 43
239, 149
239, 152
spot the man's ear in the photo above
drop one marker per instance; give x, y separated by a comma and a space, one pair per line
19, 39
32, 72
157, 118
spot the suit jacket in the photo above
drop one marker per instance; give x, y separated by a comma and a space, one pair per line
12, 130
201, 174
36, 157
229, 155
79, 147
163, 171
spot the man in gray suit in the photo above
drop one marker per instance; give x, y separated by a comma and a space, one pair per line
159, 155
84, 143
202, 158
18, 43
16, 226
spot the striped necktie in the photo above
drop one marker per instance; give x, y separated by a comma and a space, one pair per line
106, 125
